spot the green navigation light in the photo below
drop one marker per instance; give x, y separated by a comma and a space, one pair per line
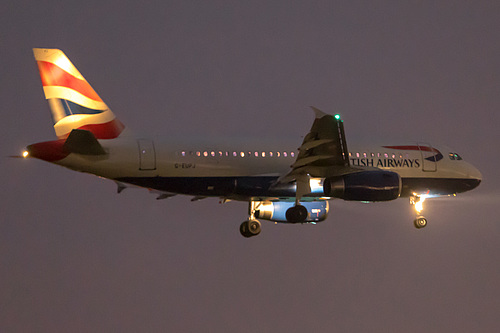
337, 116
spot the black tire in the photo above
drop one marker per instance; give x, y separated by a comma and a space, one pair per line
244, 230
254, 227
420, 222
250, 228
296, 214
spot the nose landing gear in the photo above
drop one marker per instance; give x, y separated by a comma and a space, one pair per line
420, 222
417, 201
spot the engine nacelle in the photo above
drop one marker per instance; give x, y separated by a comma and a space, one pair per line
372, 185
317, 211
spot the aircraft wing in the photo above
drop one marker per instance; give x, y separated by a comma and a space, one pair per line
323, 152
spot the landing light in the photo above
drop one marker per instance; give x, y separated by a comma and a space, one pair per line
419, 205
25, 153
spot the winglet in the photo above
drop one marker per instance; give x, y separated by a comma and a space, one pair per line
319, 114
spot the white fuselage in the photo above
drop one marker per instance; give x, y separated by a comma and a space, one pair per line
131, 160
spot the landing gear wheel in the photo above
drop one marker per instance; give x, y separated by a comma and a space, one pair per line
250, 228
420, 222
296, 214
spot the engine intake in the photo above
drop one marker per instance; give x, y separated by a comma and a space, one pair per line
373, 185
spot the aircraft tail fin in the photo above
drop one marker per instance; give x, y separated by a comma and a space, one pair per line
74, 104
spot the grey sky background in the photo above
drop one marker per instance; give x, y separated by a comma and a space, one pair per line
77, 257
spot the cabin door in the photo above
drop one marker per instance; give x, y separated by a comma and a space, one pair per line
147, 154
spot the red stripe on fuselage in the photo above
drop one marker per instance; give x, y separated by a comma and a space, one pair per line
52, 75
421, 148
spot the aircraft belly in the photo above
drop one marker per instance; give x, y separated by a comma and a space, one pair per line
214, 186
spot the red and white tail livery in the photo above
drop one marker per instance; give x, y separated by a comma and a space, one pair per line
73, 102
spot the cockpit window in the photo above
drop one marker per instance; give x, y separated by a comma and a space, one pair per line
454, 157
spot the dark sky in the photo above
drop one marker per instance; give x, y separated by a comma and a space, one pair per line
77, 257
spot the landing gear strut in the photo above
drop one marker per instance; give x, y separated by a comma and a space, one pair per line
417, 201
251, 227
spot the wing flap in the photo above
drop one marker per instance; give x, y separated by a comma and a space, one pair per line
309, 160
313, 144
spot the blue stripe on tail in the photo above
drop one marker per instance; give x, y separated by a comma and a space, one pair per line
62, 108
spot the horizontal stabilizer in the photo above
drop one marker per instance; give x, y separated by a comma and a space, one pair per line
83, 142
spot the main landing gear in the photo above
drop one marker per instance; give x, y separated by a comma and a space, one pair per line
250, 228
296, 214
417, 201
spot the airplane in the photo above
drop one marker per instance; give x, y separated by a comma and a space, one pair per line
281, 183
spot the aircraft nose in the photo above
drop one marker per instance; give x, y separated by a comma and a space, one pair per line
475, 176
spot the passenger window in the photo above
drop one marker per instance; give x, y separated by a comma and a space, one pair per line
292, 154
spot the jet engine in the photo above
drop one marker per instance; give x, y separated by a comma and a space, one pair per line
372, 185
317, 211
